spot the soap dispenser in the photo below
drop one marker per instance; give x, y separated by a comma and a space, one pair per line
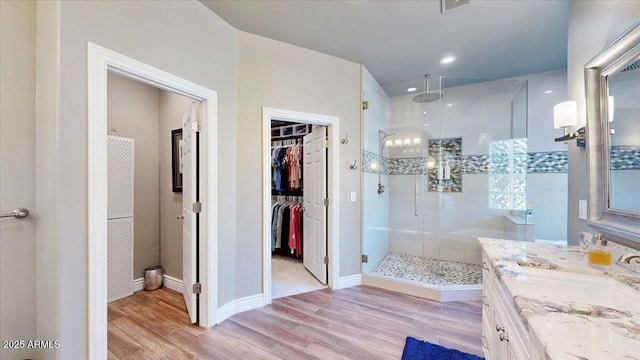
599, 253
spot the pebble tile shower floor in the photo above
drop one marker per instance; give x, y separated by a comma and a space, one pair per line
427, 270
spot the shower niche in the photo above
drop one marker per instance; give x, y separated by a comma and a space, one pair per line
444, 165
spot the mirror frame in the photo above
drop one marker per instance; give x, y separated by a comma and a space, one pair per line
616, 56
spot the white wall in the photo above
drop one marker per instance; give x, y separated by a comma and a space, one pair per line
183, 38
375, 217
17, 175
172, 108
48, 208
592, 26
547, 192
278, 75
133, 110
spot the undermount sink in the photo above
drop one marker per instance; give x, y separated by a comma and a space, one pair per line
579, 288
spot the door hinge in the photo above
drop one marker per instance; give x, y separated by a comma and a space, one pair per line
197, 288
326, 260
325, 143
197, 207
365, 258
365, 105
326, 202
196, 126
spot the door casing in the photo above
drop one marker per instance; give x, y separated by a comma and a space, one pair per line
100, 62
333, 216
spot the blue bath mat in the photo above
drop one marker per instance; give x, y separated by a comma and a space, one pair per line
415, 349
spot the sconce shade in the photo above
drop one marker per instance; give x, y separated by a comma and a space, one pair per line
611, 106
565, 114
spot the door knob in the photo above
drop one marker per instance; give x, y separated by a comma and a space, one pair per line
181, 217
16, 213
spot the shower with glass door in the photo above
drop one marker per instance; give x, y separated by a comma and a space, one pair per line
427, 189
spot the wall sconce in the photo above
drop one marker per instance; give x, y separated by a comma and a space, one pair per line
565, 115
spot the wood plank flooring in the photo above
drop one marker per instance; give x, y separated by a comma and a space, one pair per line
355, 323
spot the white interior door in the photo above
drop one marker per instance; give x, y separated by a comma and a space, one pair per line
189, 167
314, 178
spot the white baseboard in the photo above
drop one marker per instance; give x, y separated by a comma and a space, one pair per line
138, 284
168, 281
348, 281
172, 283
239, 305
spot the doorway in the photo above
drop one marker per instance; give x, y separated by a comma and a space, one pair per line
149, 222
298, 214
102, 61
321, 257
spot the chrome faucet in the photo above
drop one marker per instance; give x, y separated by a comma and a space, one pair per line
626, 258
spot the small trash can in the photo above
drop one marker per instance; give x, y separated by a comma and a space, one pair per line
153, 277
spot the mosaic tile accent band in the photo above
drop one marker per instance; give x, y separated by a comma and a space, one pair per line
406, 166
374, 163
548, 162
625, 158
622, 158
475, 164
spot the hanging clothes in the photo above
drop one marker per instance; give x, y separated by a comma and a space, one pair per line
295, 230
286, 168
286, 225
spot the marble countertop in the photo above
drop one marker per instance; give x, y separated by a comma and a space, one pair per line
571, 310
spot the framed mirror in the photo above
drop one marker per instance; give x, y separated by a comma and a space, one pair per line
612, 80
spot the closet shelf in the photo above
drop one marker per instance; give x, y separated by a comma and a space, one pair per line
288, 131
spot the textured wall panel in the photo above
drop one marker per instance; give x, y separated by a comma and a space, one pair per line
120, 214
120, 177
120, 255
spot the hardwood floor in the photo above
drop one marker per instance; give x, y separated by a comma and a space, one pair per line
354, 323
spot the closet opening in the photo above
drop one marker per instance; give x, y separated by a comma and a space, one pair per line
299, 213
299, 225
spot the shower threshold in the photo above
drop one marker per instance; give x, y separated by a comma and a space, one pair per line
434, 279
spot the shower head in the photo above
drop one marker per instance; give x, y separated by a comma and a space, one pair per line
426, 97
383, 137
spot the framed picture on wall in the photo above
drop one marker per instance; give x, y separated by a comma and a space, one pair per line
176, 159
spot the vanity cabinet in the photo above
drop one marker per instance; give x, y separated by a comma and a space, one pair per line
504, 336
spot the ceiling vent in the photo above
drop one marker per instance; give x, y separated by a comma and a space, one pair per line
448, 5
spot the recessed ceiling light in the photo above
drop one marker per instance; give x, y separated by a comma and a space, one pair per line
548, 91
449, 105
411, 89
448, 59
